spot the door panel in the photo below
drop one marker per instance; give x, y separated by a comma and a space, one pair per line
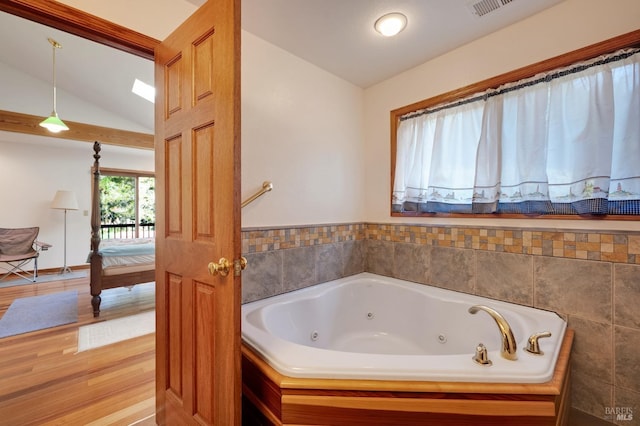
198, 218
173, 186
174, 79
174, 335
204, 351
203, 52
204, 185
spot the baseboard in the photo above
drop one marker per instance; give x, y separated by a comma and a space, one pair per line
56, 270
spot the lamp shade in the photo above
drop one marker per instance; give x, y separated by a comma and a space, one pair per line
54, 124
65, 200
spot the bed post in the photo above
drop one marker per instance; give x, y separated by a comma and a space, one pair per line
96, 257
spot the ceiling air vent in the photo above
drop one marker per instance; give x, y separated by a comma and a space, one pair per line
483, 7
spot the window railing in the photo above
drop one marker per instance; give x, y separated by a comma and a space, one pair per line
126, 231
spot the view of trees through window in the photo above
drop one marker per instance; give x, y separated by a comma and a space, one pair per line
127, 205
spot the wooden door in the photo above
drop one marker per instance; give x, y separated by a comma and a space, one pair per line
197, 72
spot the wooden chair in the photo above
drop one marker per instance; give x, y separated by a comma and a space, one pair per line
18, 246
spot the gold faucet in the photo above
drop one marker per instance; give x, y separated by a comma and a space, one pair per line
508, 349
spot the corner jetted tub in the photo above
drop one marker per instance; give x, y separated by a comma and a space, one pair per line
368, 334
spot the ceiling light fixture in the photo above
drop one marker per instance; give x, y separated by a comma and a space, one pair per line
53, 122
390, 24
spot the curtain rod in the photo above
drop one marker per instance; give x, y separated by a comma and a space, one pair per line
552, 75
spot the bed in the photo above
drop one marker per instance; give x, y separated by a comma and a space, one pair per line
118, 262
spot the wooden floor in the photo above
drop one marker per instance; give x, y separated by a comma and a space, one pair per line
43, 381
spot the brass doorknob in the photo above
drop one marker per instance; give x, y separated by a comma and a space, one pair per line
243, 262
239, 265
222, 267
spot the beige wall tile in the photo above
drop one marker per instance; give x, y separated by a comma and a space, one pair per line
411, 262
505, 276
263, 276
453, 269
591, 395
634, 246
328, 262
379, 258
298, 268
577, 287
592, 352
626, 290
353, 253
625, 399
627, 342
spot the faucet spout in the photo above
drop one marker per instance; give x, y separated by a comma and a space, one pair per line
508, 349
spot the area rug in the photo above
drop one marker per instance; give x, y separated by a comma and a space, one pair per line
111, 331
39, 312
43, 278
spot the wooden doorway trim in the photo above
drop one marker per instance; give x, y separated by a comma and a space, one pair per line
77, 22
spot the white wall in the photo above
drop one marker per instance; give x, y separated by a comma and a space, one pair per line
302, 129
568, 26
33, 169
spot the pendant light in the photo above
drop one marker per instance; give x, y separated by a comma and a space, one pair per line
53, 123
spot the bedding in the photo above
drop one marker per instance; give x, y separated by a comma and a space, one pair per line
129, 252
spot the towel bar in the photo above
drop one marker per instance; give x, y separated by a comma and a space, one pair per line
266, 187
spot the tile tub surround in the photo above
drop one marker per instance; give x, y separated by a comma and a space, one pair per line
590, 278
285, 259
274, 272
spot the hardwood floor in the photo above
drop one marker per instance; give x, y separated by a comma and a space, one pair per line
44, 381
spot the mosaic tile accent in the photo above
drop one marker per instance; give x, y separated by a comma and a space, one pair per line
261, 240
607, 247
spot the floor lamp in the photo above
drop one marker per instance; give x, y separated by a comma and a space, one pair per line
65, 200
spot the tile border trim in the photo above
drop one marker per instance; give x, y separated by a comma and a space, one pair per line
615, 246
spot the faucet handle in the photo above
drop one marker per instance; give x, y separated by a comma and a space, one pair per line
481, 356
533, 346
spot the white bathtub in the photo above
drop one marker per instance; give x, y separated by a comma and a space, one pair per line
371, 327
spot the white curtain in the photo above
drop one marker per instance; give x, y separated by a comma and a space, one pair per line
566, 142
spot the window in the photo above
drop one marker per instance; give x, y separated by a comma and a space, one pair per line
127, 204
564, 141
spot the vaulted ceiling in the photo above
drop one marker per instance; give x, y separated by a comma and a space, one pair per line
336, 35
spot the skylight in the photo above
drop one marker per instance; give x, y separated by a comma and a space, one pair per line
144, 90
